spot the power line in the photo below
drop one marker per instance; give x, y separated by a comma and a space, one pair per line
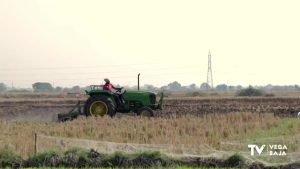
151, 69
128, 76
75, 67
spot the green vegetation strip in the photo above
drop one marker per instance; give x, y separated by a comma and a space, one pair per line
80, 158
178, 167
285, 127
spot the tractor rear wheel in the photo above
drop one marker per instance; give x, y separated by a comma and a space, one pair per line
145, 112
99, 106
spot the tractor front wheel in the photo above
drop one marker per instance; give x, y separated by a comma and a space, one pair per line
99, 106
145, 112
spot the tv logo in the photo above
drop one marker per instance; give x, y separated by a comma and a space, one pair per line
272, 149
258, 149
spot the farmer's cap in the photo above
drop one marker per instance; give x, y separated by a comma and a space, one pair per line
106, 80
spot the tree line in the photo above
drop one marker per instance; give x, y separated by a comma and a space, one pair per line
172, 87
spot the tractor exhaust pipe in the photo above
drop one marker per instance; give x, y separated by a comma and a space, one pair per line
139, 81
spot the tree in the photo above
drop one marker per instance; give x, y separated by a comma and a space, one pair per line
149, 87
221, 87
174, 86
58, 89
204, 86
3, 87
193, 86
239, 87
231, 88
297, 88
42, 87
75, 89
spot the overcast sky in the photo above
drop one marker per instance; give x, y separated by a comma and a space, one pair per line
69, 42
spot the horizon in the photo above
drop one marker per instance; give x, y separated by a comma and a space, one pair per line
197, 86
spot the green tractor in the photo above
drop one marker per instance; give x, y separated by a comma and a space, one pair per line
102, 102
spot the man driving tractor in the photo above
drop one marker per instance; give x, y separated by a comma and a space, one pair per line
108, 100
108, 86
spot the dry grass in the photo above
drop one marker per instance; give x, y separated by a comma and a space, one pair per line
19, 135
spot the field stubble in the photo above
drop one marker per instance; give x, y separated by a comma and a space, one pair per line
183, 121
190, 130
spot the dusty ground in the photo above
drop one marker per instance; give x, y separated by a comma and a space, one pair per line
45, 107
33, 109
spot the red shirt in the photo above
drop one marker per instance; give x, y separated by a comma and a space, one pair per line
108, 87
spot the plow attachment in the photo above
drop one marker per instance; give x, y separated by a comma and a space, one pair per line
74, 113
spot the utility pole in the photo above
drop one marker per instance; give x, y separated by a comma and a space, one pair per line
209, 73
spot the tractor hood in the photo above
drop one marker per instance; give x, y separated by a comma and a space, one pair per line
137, 94
148, 98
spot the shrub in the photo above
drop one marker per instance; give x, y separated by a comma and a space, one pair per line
81, 153
195, 94
9, 159
250, 91
117, 159
150, 154
269, 95
148, 159
76, 157
48, 158
235, 160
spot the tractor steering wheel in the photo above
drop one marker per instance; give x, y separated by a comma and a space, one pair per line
120, 90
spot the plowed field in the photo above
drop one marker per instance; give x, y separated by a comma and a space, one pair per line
46, 109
